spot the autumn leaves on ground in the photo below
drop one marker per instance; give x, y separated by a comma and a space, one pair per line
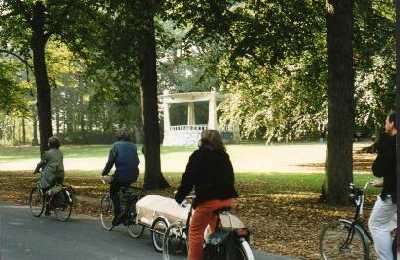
283, 211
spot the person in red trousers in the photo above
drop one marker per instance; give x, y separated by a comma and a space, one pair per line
210, 172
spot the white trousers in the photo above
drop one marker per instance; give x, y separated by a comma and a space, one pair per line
382, 221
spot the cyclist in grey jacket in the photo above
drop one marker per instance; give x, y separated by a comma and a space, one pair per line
52, 167
123, 155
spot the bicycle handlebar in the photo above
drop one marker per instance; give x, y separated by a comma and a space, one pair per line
106, 179
368, 183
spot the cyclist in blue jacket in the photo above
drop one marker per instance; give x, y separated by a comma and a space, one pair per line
124, 156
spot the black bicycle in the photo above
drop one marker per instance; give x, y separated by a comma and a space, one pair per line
229, 227
58, 199
348, 238
128, 198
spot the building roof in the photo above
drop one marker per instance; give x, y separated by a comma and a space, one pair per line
189, 97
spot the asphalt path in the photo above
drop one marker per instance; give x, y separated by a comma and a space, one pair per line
23, 236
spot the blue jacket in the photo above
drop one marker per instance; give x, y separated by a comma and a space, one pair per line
125, 157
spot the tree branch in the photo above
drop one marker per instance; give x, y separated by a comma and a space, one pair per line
47, 35
23, 60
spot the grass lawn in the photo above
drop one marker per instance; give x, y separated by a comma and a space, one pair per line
13, 153
282, 210
304, 157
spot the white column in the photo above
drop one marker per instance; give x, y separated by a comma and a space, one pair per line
190, 114
212, 111
167, 122
236, 132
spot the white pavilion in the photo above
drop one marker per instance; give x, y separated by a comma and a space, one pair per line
189, 134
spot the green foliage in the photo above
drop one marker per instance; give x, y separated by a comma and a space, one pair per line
268, 56
273, 63
67, 21
282, 104
183, 65
13, 90
270, 65
375, 62
104, 98
263, 30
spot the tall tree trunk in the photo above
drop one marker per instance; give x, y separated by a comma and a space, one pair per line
340, 100
14, 139
38, 45
57, 111
153, 178
82, 113
23, 130
64, 121
103, 122
35, 140
69, 121
90, 121
398, 106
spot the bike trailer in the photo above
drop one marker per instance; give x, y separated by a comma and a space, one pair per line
151, 207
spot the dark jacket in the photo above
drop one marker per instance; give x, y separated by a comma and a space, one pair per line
211, 174
124, 155
385, 165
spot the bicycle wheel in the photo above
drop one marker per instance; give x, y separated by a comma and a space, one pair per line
135, 230
341, 240
158, 230
175, 243
231, 247
36, 202
244, 252
106, 212
62, 205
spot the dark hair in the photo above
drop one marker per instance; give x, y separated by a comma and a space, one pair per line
123, 134
213, 139
392, 118
54, 142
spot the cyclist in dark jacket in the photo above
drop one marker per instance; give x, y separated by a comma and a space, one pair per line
383, 217
210, 172
123, 155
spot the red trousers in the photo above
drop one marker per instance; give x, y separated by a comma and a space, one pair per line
201, 218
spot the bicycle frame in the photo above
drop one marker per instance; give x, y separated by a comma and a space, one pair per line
356, 224
360, 210
127, 207
350, 234
357, 221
